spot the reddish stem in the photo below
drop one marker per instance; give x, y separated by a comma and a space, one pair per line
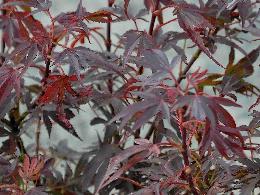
153, 18
51, 34
185, 153
108, 41
48, 63
168, 22
137, 184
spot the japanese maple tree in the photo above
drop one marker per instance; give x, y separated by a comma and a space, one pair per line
159, 90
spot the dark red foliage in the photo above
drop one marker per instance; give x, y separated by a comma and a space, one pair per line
168, 123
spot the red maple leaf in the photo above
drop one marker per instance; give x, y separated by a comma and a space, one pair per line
30, 170
56, 89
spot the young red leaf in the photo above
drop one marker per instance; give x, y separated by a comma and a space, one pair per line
56, 89
30, 170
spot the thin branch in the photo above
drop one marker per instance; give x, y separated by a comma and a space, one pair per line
131, 181
168, 22
151, 130
108, 46
151, 28
153, 18
108, 41
37, 136
185, 153
48, 63
20, 145
187, 162
195, 56
14, 127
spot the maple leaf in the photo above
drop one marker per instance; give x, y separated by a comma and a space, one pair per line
74, 57
127, 88
138, 152
23, 27
39, 34
132, 40
7, 168
9, 25
26, 5
123, 13
55, 92
202, 107
235, 74
157, 60
196, 78
74, 21
135, 40
210, 109
61, 117
9, 80
244, 67
226, 140
31, 168
154, 102
193, 23
95, 168
255, 122
24, 53
57, 88
81, 57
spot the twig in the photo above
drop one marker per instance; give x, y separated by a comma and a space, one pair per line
15, 129
194, 58
185, 153
108, 41
37, 136
151, 130
48, 63
108, 46
20, 145
168, 22
189, 65
132, 182
153, 18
